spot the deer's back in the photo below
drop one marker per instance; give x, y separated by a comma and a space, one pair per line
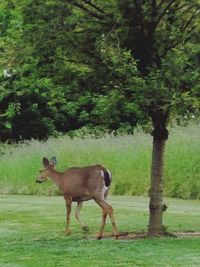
83, 183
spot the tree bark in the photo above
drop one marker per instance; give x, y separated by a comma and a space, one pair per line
160, 136
156, 191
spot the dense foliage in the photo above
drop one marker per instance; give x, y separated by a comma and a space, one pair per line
103, 64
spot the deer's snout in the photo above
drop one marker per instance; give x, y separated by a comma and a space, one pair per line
40, 180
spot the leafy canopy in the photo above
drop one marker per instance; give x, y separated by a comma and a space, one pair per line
67, 64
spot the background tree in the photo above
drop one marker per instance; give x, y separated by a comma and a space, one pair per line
51, 86
161, 37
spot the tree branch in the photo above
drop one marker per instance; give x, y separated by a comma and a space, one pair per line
91, 13
190, 35
175, 44
72, 60
154, 8
162, 14
187, 24
183, 6
89, 2
170, 47
161, 3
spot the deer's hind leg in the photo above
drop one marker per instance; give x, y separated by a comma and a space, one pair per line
77, 215
104, 216
106, 209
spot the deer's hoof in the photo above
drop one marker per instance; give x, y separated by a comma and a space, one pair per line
116, 236
68, 232
99, 237
85, 228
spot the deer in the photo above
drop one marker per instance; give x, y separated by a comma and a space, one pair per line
79, 184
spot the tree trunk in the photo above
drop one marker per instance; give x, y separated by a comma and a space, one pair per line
160, 136
156, 190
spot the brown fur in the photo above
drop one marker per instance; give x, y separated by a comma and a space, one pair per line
80, 184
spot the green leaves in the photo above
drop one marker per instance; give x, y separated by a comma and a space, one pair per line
78, 63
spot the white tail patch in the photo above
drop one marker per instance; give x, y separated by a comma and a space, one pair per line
110, 174
105, 188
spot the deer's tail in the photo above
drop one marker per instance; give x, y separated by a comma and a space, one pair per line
107, 177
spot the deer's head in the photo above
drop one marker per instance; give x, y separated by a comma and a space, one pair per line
48, 167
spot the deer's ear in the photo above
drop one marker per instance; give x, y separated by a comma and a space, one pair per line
53, 160
45, 162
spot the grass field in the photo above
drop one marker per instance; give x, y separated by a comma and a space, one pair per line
32, 234
128, 157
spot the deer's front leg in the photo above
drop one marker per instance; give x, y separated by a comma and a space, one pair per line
68, 201
77, 215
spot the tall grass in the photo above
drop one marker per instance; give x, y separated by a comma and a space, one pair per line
182, 170
128, 157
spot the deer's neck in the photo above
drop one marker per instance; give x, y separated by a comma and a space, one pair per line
56, 178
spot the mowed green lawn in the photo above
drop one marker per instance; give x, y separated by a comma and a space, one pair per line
32, 234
